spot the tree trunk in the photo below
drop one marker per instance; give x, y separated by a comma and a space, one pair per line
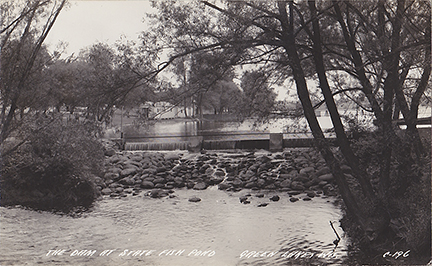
390, 139
185, 107
303, 94
343, 142
6, 119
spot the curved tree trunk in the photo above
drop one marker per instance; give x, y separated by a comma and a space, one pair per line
303, 94
343, 142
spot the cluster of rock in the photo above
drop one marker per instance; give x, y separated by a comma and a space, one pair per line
295, 171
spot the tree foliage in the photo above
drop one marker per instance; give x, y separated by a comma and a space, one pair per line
225, 97
55, 168
65, 84
24, 27
258, 97
115, 77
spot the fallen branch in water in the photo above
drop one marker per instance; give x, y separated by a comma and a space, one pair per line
336, 242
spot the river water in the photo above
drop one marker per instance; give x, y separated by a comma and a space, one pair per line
219, 226
183, 129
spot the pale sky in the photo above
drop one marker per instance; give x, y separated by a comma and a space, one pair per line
84, 23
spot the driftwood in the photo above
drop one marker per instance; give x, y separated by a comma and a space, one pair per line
336, 242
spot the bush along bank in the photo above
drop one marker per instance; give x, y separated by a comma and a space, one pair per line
51, 169
295, 171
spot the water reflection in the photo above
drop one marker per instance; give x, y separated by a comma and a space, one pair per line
183, 130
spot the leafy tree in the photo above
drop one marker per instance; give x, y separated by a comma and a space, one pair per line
55, 168
112, 78
46, 163
207, 71
65, 84
224, 97
34, 90
204, 81
24, 27
181, 94
258, 98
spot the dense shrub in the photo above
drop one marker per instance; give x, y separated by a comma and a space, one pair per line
54, 168
407, 198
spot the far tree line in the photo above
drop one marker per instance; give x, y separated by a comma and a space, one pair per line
101, 78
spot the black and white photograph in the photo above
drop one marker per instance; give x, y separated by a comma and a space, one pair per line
215, 132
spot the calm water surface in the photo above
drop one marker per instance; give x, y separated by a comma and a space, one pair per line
181, 130
218, 224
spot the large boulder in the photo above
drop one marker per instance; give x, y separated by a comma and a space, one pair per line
127, 181
285, 184
292, 174
109, 152
111, 176
302, 178
294, 199
209, 171
249, 173
159, 180
243, 199
275, 198
156, 193
200, 186
297, 185
106, 191
326, 177
128, 172
147, 184
136, 159
224, 186
119, 189
219, 173
307, 170
178, 181
215, 180
250, 185
194, 199
150, 170
294, 192
260, 182
284, 176
311, 194
131, 163
271, 186
346, 169
237, 182
159, 185
323, 170
114, 159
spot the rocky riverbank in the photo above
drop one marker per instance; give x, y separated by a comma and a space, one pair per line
295, 171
